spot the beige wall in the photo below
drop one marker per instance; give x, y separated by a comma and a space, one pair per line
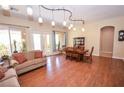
34, 27
92, 34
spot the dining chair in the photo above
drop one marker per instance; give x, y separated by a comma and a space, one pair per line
88, 56
68, 53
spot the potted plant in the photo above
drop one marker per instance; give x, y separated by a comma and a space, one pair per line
6, 59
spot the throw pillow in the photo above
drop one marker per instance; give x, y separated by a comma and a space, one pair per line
1, 74
19, 57
38, 54
4, 69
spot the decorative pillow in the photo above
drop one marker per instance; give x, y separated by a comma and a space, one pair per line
19, 57
1, 74
4, 69
38, 54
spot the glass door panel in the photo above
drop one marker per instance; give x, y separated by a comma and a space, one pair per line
37, 41
16, 40
46, 44
4, 42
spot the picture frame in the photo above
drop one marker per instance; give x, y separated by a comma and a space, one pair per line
121, 35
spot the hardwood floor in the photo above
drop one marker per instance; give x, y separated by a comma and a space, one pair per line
103, 72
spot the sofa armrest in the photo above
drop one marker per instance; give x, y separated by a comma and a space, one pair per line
13, 63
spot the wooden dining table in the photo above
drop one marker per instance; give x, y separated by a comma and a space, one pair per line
82, 53
78, 51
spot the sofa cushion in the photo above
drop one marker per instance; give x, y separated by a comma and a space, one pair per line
26, 64
38, 54
29, 63
10, 82
38, 60
1, 74
19, 57
4, 69
9, 73
29, 55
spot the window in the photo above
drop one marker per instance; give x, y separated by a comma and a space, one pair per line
48, 41
37, 41
7, 37
4, 42
59, 40
16, 37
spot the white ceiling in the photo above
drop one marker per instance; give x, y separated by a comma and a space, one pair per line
88, 12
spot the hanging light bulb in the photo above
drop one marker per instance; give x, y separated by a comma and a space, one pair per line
53, 23
40, 20
29, 10
83, 29
74, 29
71, 25
64, 23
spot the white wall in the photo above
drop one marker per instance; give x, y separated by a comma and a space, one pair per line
92, 34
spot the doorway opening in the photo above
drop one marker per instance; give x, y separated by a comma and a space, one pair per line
106, 41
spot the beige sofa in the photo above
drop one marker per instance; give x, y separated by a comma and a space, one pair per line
30, 64
10, 79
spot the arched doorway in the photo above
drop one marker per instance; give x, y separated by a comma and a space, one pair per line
106, 41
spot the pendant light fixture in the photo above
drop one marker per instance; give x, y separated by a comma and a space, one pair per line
29, 11
74, 29
40, 19
83, 29
71, 25
64, 22
69, 28
53, 22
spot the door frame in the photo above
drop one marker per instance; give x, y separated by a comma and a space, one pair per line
100, 39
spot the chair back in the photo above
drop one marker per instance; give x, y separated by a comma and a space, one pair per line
91, 50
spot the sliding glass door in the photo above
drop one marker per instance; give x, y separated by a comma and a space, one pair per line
10, 40
59, 40
42, 42
46, 44
37, 41
4, 42
16, 38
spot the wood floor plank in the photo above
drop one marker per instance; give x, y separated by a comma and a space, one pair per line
59, 72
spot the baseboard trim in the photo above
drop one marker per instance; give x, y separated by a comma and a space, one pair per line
118, 58
95, 55
112, 57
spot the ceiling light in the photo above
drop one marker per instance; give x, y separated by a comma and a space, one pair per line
83, 29
6, 7
53, 23
23, 40
74, 29
40, 20
29, 10
64, 23
71, 25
